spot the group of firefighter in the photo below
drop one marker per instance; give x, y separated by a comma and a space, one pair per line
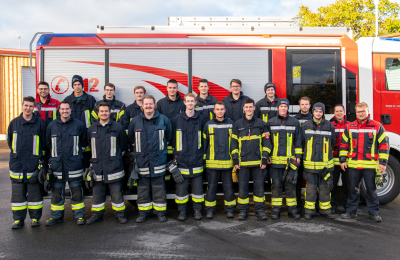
171, 143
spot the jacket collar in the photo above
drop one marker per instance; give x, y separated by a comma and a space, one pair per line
269, 101
217, 121
284, 117
207, 99
196, 114
234, 100
178, 96
83, 97
108, 123
304, 115
136, 105
58, 120
33, 119
37, 100
106, 100
249, 121
156, 114
365, 122
334, 119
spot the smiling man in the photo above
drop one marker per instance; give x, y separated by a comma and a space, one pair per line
117, 108
205, 102
234, 101
44, 104
266, 108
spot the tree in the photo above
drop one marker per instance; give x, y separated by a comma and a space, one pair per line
357, 14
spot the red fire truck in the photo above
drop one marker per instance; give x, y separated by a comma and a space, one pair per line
324, 64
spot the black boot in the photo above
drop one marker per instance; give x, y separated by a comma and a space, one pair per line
261, 215
182, 215
162, 218
197, 215
329, 215
375, 218
308, 216
295, 215
275, 215
17, 224
242, 215
53, 221
142, 218
122, 220
230, 215
210, 215
348, 215
80, 221
35, 223
94, 219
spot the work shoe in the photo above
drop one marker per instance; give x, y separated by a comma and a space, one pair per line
94, 219
295, 215
34, 223
276, 215
261, 215
242, 215
122, 220
348, 215
308, 216
329, 215
210, 215
375, 218
142, 218
17, 224
162, 218
230, 215
80, 221
182, 215
53, 221
341, 209
197, 215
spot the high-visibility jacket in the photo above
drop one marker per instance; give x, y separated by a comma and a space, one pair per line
250, 142
107, 144
187, 143
48, 110
364, 144
149, 138
117, 109
65, 142
130, 112
266, 109
26, 140
217, 144
234, 108
82, 109
303, 117
318, 141
285, 139
206, 107
339, 129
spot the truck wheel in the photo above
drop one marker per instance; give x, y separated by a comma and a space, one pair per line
391, 183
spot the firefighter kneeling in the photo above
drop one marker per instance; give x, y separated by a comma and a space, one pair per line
319, 141
108, 142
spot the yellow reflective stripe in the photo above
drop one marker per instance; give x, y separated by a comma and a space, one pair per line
291, 202
98, 208
87, 118
230, 134
170, 150
36, 145
279, 159
325, 205
251, 137
211, 116
234, 136
258, 199
289, 144
230, 203
298, 151
276, 201
235, 151
250, 163
212, 155
94, 114
351, 143
55, 115
345, 137
362, 164
204, 136
56, 207
20, 207
197, 200
210, 203
160, 208
119, 115
243, 201
117, 208
181, 200
199, 139
276, 144
382, 137
336, 161
383, 156
309, 205
343, 153
198, 171
266, 149
14, 142
373, 147
78, 206
204, 156
309, 149
178, 140
18, 177
219, 163
265, 118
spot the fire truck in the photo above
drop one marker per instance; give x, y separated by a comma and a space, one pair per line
324, 64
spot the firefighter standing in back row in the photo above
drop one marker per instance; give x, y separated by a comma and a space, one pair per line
250, 150
286, 147
266, 108
217, 142
150, 132
26, 136
365, 145
65, 138
44, 104
108, 142
318, 143
205, 102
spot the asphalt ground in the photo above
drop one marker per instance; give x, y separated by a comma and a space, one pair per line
219, 238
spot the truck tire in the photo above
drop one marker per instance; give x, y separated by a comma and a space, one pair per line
391, 183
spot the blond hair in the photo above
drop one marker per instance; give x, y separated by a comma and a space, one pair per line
190, 95
362, 104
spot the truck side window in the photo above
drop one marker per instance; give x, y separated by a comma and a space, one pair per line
392, 73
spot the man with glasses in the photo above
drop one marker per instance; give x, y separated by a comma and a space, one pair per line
117, 108
234, 101
44, 104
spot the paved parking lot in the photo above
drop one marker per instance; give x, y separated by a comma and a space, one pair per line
219, 238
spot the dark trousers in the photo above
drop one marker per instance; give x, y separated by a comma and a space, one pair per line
244, 175
213, 176
316, 186
182, 193
299, 185
354, 190
26, 196
152, 195
99, 198
169, 181
336, 175
58, 198
277, 188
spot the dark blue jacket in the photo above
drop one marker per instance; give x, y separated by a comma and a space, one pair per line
82, 109
170, 108
107, 144
234, 108
206, 107
117, 109
187, 143
303, 117
150, 137
265, 109
26, 140
130, 112
65, 142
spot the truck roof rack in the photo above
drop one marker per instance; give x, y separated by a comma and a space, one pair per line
232, 21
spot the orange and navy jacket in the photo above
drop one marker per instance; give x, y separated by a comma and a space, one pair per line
364, 144
48, 110
339, 129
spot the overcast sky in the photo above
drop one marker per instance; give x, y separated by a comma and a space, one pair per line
26, 17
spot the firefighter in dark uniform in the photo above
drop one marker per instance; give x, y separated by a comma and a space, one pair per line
150, 132
286, 144
188, 153
26, 137
234, 101
217, 142
205, 102
365, 146
250, 152
266, 108
117, 108
108, 142
65, 138
318, 143
339, 121
303, 115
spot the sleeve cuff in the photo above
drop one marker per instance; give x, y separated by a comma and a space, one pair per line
235, 161
342, 159
264, 161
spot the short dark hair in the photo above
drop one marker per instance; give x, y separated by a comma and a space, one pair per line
139, 87
338, 105
172, 81
65, 102
204, 81
236, 81
28, 99
43, 83
306, 99
248, 101
109, 85
219, 103
104, 104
